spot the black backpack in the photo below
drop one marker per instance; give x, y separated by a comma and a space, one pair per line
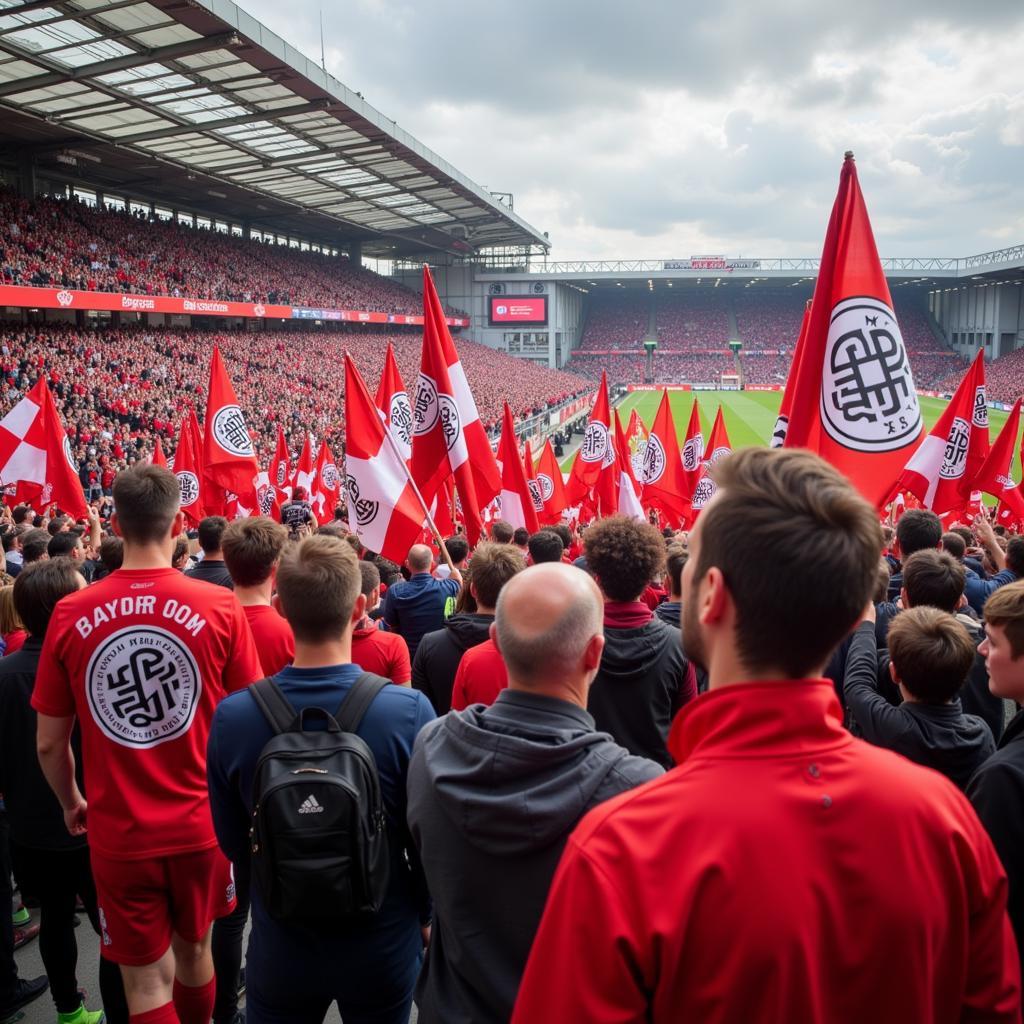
318, 840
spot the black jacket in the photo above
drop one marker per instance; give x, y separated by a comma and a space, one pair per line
439, 653
211, 570
35, 815
670, 612
644, 679
938, 736
976, 697
997, 791
494, 793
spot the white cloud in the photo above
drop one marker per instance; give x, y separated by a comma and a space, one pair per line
666, 128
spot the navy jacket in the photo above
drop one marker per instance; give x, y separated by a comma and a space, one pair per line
978, 591
238, 734
417, 606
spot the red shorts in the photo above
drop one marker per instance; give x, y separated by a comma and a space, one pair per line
143, 902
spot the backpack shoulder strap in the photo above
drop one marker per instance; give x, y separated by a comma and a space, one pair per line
276, 707
358, 700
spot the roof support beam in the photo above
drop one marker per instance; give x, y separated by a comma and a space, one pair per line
105, 67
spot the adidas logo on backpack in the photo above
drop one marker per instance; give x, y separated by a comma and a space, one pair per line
310, 806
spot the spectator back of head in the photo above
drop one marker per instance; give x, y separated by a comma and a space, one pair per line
624, 556
112, 553
318, 583
545, 546
369, 576
954, 544
502, 532
1015, 556
493, 565
520, 536
211, 534
458, 548
146, 500
917, 530
935, 579
252, 548
675, 562
931, 653
38, 589
34, 545
66, 543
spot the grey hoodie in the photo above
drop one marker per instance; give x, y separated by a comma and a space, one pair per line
494, 793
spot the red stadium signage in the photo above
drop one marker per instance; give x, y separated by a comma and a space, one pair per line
659, 387
66, 298
519, 309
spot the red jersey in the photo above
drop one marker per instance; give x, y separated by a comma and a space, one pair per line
273, 637
481, 676
777, 874
384, 654
142, 658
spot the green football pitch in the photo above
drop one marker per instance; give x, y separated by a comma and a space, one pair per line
750, 415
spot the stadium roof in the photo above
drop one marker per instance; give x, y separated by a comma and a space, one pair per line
195, 99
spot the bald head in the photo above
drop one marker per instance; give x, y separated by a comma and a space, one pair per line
546, 621
420, 559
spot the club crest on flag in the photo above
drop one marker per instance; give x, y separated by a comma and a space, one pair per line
188, 487
451, 424
718, 454
265, 496
426, 409
654, 460
365, 508
693, 452
400, 415
330, 476
69, 455
546, 485
954, 459
595, 447
535, 494
868, 400
704, 492
779, 434
282, 473
980, 416
230, 431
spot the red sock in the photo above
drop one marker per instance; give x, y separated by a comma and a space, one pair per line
161, 1015
195, 1005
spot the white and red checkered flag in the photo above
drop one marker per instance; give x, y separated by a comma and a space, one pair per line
35, 454
189, 475
279, 468
393, 402
943, 468
229, 459
448, 436
719, 447
328, 483
551, 484
852, 396
382, 506
516, 503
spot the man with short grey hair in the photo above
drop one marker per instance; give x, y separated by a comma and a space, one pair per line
420, 604
494, 793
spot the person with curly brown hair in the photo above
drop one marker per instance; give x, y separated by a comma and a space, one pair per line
645, 677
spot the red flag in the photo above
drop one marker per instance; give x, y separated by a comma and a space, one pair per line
448, 436
940, 472
627, 491
552, 487
531, 481
305, 473
595, 453
778, 438
719, 447
35, 455
266, 497
664, 479
229, 459
852, 396
328, 484
516, 503
279, 468
393, 402
189, 475
159, 459
636, 438
382, 506
994, 476
441, 510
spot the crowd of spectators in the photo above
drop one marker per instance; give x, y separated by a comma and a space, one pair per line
615, 322
692, 322
1004, 377
66, 243
118, 389
765, 369
768, 320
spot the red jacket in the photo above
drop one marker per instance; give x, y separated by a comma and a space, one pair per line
784, 873
481, 676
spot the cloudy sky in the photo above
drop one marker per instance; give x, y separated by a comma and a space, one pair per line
665, 129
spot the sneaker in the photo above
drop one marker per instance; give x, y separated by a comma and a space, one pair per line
24, 993
81, 1016
23, 936
21, 916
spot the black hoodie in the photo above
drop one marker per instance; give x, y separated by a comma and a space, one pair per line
494, 793
439, 653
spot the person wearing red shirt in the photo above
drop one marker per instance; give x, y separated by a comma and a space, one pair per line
141, 659
480, 677
374, 650
784, 867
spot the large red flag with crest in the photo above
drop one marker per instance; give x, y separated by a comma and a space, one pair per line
627, 490
994, 476
693, 452
393, 402
516, 502
382, 506
664, 480
943, 468
327, 487
719, 447
279, 468
595, 453
552, 487
189, 475
852, 393
229, 459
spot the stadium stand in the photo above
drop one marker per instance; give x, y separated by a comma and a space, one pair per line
119, 388
615, 322
693, 321
67, 243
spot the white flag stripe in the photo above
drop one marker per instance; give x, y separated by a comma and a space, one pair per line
462, 394
927, 461
629, 503
20, 419
512, 509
